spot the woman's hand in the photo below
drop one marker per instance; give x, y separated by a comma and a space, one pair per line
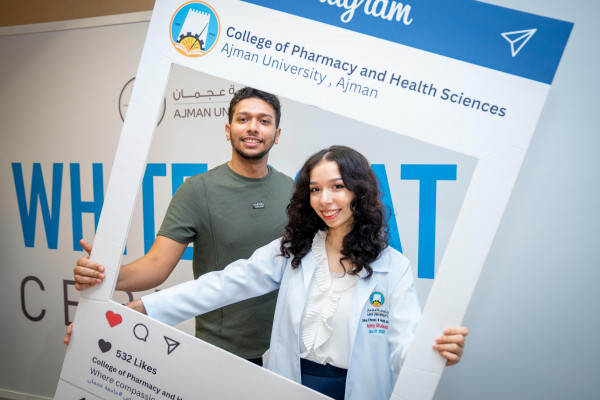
137, 305
451, 344
67, 338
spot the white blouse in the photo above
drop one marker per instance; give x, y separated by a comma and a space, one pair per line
325, 334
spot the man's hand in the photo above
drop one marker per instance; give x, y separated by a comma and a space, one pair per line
451, 344
87, 273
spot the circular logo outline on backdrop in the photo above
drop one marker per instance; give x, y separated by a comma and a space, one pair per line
194, 29
125, 96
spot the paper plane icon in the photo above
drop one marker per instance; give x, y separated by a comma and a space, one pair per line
517, 39
171, 344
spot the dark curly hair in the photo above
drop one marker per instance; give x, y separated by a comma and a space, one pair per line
368, 236
249, 93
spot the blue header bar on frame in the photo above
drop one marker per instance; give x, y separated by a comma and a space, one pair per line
491, 36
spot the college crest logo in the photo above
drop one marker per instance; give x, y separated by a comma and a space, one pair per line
377, 299
195, 29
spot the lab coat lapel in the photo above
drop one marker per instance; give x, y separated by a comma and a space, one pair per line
362, 291
309, 264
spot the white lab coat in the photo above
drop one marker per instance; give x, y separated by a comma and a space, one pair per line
380, 334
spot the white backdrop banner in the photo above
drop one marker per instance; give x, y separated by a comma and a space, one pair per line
443, 109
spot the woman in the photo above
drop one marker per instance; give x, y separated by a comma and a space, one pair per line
345, 297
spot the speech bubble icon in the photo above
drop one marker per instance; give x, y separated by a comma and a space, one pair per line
140, 331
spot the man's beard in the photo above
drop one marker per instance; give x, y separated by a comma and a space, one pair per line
252, 157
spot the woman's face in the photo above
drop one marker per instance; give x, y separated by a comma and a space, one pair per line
329, 197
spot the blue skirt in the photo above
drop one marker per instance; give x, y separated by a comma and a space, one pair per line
324, 378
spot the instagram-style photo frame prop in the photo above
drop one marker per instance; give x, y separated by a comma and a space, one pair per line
474, 85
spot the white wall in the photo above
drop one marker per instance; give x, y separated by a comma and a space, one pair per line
535, 315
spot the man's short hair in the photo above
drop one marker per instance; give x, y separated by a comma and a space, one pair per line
248, 93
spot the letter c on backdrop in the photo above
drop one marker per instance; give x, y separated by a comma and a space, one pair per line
30, 317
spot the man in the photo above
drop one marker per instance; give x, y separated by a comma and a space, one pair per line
227, 213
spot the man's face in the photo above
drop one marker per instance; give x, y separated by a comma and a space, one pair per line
252, 131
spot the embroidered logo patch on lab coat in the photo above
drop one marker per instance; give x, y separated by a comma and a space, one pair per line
377, 299
377, 318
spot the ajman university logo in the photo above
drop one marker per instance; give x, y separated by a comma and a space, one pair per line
377, 299
195, 29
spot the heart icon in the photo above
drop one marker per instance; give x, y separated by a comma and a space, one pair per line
113, 319
104, 346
